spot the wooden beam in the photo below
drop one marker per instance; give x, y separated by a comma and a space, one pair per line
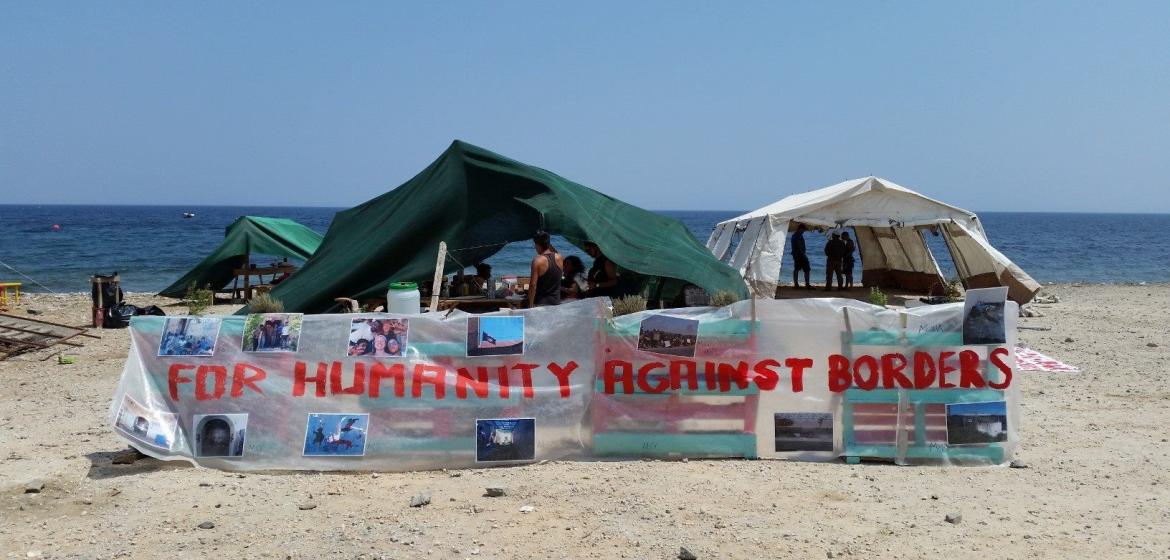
23, 341
4, 326
72, 328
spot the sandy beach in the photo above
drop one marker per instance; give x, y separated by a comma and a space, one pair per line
1097, 482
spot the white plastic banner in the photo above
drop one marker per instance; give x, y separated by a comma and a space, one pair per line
813, 379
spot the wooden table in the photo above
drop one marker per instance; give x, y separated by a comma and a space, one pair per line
246, 292
480, 304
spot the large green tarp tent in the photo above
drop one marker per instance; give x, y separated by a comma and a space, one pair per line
249, 235
478, 201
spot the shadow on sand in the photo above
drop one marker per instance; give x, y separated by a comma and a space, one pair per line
102, 466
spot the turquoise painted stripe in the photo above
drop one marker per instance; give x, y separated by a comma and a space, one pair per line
933, 396
440, 349
994, 453
893, 338
875, 338
151, 324
732, 328
702, 390
936, 339
640, 444
435, 444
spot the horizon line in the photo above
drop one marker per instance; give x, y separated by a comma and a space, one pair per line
137, 205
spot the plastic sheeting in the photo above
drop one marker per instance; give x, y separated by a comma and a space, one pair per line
814, 379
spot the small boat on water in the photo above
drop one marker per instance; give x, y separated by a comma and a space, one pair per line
188, 214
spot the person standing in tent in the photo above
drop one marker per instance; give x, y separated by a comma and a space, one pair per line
800, 257
602, 279
847, 263
835, 253
547, 272
481, 282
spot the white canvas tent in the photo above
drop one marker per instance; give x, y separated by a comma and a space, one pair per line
890, 222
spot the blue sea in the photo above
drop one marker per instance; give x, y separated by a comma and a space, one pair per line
151, 246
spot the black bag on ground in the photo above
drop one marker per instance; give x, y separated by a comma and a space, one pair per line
118, 317
151, 310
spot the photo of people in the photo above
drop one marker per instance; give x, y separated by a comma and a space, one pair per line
378, 338
272, 332
804, 431
220, 435
152, 427
336, 435
189, 336
673, 336
495, 336
983, 320
505, 439
977, 423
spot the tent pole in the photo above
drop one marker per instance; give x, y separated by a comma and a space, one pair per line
247, 276
436, 284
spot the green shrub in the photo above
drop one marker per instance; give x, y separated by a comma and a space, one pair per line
265, 303
877, 297
628, 305
198, 299
954, 290
723, 298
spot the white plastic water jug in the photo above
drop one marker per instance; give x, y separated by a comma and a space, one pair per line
403, 299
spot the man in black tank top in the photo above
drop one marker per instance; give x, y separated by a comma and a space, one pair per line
547, 273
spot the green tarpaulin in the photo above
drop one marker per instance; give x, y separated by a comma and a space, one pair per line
249, 235
478, 201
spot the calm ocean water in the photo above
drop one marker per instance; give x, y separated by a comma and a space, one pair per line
151, 246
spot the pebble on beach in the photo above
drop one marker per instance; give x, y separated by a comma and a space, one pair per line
420, 500
495, 491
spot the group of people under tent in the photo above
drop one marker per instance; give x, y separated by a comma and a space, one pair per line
555, 278
838, 259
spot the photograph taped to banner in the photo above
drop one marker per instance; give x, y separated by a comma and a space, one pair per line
272, 332
378, 337
803, 431
664, 334
983, 316
152, 427
977, 423
219, 435
336, 435
189, 336
505, 439
495, 335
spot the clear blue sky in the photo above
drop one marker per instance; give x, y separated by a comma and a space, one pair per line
1058, 106
502, 329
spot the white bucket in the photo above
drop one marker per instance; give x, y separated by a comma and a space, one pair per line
403, 298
